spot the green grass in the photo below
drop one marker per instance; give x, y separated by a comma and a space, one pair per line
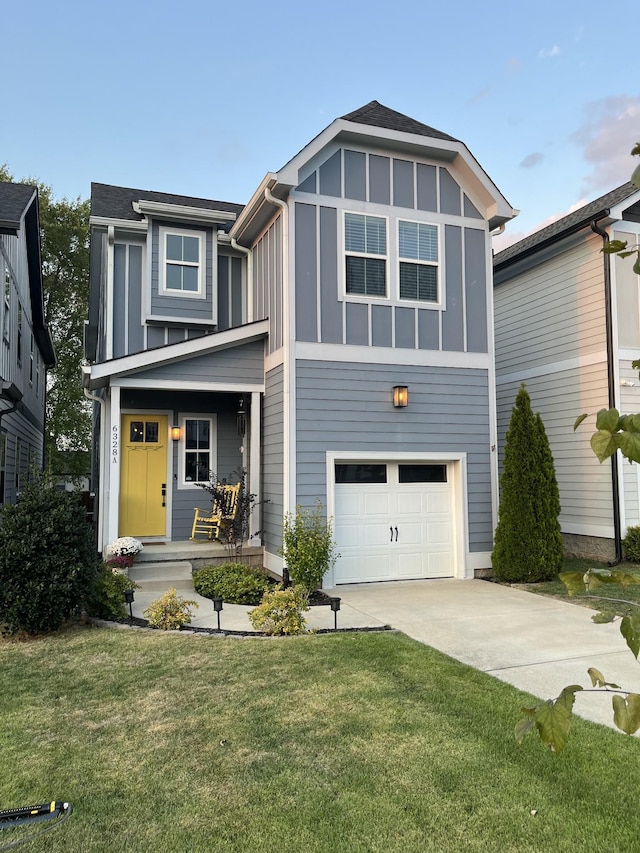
346, 743
594, 600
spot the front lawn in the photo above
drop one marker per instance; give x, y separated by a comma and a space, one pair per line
597, 598
345, 743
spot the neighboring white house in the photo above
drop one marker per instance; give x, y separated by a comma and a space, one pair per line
26, 350
333, 336
567, 323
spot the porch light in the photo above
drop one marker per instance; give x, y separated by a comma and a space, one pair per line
217, 606
175, 433
335, 606
128, 597
241, 418
400, 396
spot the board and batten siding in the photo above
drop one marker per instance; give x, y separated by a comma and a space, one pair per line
267, 282
344, 407
273, 459
184, 309
323, 314
550, 334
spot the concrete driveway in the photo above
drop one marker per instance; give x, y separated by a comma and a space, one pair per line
534, 643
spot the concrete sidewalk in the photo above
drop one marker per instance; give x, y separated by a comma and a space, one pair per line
537, 644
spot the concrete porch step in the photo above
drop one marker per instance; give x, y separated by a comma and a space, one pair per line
169, 573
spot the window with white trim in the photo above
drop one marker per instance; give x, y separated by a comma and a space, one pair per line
198, 449
182, 254
418, 261
365, 243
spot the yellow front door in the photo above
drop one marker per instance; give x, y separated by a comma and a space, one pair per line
143, 475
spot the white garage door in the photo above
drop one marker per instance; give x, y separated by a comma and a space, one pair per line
393, 521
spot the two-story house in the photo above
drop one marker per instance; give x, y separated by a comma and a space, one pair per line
26, 350
334, 337
567, 320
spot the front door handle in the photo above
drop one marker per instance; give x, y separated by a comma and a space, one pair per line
164, 494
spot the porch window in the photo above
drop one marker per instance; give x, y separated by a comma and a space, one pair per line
182, 263
198, 449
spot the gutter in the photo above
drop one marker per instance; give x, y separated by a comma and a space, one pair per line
615, 478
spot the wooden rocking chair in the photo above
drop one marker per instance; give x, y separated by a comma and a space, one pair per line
207, 522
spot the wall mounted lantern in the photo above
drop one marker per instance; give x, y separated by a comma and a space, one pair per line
400, 396
175, 433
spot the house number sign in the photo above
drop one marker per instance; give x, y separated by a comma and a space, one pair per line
114, 444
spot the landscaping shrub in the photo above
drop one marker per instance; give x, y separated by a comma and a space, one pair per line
528, 542
631, 544
106, 600
169, 612
48, 560
308, 547
281, 612
235, 583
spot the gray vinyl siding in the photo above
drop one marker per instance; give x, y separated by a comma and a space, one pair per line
547, 316
627, 290
182, 308
584, 484
267, 278
459, 323
553, 311
630, 402
23, 434
347, 407
236, 365
273, 459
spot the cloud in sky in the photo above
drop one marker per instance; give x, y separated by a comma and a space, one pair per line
479, 96
514, 65
547, 52
532, 160
610, 130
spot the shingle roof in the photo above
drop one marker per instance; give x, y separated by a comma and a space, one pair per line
14, 198
573, 222
116, 202
376, 114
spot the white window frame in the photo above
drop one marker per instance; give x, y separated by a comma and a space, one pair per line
183, 483
163, 233
423, 303
364, 297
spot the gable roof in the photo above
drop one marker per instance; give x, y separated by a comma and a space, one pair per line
376, 114
570, 224
14, 200
114, 202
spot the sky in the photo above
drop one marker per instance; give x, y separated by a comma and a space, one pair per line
203, 98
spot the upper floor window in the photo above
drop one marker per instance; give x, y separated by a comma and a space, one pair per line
182, 263
365, 242
418, 258
6, 320
19, 347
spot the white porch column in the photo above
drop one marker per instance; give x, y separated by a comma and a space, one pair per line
255, 455
113, 445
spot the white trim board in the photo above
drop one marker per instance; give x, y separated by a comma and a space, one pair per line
354, 354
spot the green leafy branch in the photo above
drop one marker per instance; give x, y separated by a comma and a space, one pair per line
615, 432
552, 719
621, 247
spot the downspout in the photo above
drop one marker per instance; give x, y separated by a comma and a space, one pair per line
98, 518
615, 479
287, 341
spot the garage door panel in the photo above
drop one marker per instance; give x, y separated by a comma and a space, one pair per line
367, 517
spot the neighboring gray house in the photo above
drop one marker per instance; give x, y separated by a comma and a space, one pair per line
567, 323
358, 273
25, 348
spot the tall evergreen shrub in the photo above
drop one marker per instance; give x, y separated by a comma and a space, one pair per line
48, 561
528, 543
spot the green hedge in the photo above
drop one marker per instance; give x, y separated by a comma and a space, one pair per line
235, 583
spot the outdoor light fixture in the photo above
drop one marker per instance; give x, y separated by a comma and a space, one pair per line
128, 597
175, 433
217, 606
400, 396
241, 418
335, 606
